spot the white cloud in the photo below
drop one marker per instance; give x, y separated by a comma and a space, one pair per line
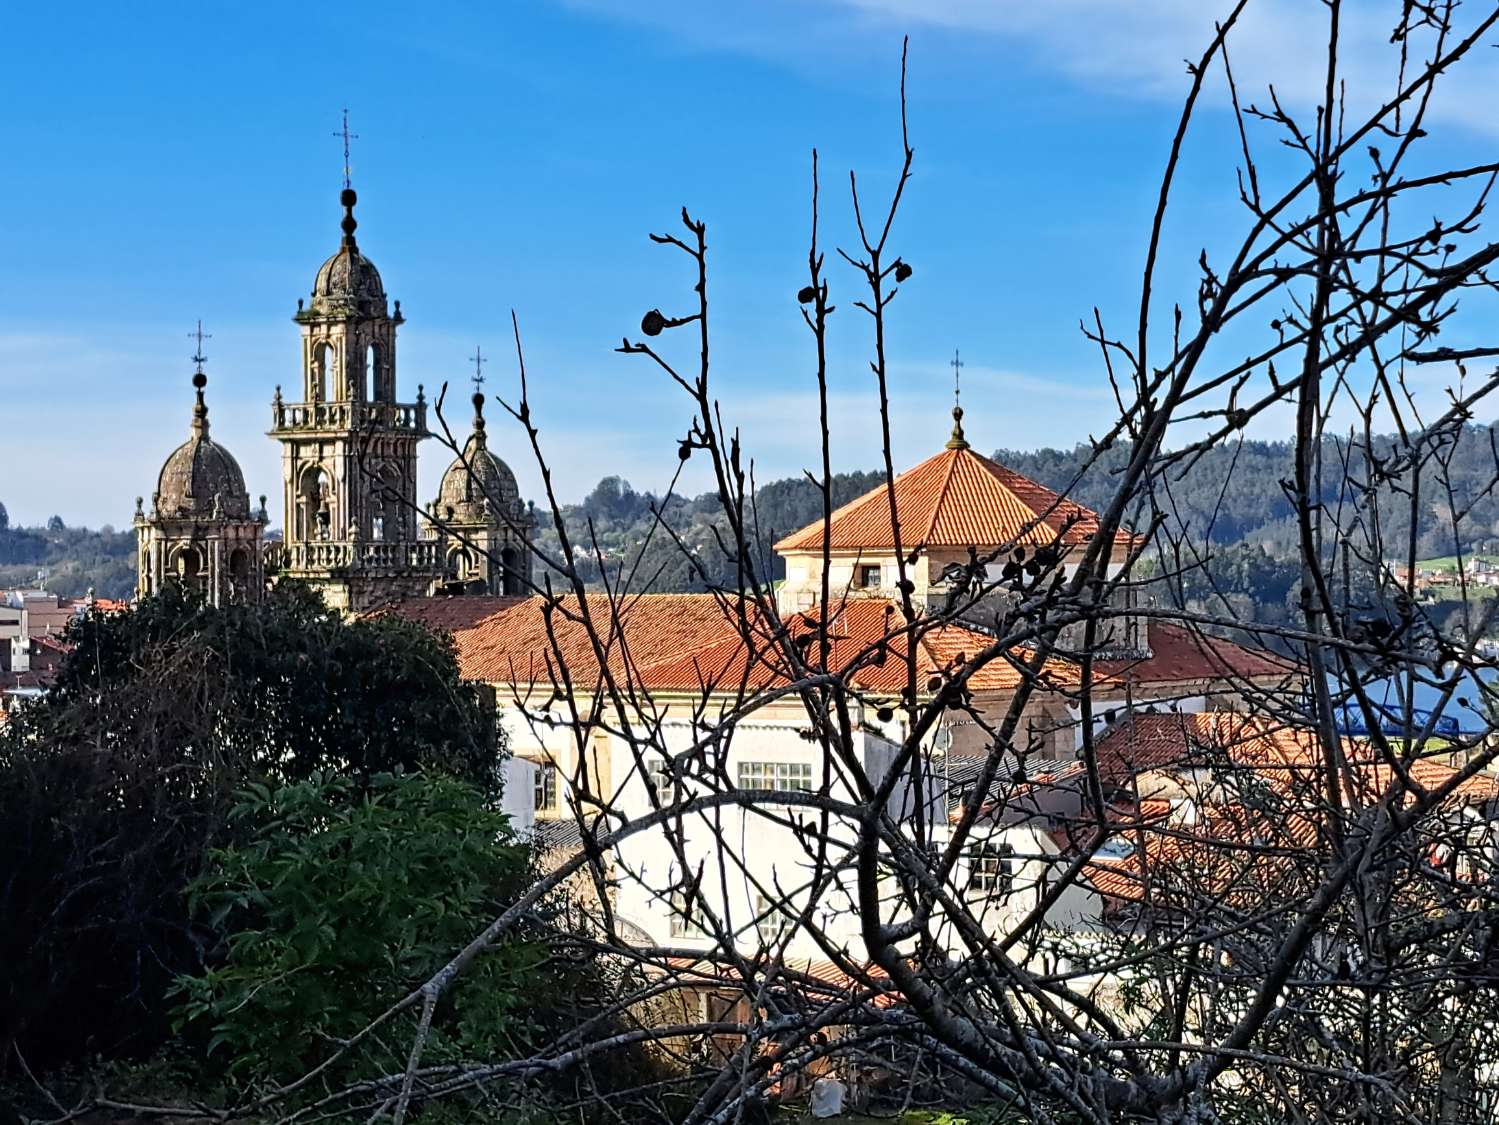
1128, 48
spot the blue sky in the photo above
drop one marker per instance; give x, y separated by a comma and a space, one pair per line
168, 162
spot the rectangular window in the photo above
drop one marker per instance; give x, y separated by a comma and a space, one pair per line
662, 784
784, 776
684, 915
868, 577
546, 787
990, 867
771, 922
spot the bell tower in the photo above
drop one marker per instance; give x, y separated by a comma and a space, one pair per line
201, 533
349, 447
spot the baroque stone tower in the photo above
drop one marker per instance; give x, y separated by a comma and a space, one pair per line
484, 526
201, 532
349, 448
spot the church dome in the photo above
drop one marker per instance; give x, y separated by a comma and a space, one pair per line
199, 474
476, 478
478, 483
201, 477
348, 277
349, 274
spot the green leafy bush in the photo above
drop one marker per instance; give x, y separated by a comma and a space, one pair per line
114, 787
340, 902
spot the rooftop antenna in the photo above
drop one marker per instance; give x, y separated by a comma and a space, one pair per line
957, 441
347, 137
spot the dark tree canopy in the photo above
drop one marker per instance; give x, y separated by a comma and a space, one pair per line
291, 686
115, 784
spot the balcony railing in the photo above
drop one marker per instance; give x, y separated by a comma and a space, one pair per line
290, 417
349, 555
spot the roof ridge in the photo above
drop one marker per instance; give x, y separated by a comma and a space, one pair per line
825, 525
952, 468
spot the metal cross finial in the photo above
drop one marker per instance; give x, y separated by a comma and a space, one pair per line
199, 335
347, 136
957, 441
480, 359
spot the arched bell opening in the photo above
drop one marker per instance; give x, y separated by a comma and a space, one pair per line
188, 570
314, 505
239, 575
512, 581
324, 362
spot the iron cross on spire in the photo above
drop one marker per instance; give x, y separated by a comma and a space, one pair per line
199, 335
347, 137
480, 359
957, 441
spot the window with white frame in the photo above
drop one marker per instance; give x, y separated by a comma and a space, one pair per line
772, 923
684, 915
784, 776
990, 867
546, 787
659, 777
868, 576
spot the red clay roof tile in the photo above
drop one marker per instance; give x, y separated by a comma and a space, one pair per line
956, 499
696, 642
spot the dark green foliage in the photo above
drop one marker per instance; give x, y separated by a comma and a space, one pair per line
336, 904
1233, 494
75, 559
292, 686
624, 525
96, 845
1236, 491
113, 787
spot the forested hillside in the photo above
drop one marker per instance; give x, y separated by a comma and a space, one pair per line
75, 558
1231, 499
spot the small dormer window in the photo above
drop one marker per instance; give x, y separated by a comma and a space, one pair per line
868, 577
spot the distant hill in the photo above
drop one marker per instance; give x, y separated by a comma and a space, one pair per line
1232, 498
75, 559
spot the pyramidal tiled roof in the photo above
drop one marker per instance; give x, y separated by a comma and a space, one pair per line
956, 499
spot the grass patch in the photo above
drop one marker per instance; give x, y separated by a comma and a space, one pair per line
1449, 562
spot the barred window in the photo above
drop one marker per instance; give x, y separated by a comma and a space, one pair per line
546, 787
990, 867
785, 776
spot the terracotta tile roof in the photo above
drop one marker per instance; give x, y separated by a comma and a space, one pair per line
1248, 855
453, 615
1179, 654
956, 499
695, 642
1286, 758
1249, 822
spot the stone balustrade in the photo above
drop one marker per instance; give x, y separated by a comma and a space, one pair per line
346, 554
312, 416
